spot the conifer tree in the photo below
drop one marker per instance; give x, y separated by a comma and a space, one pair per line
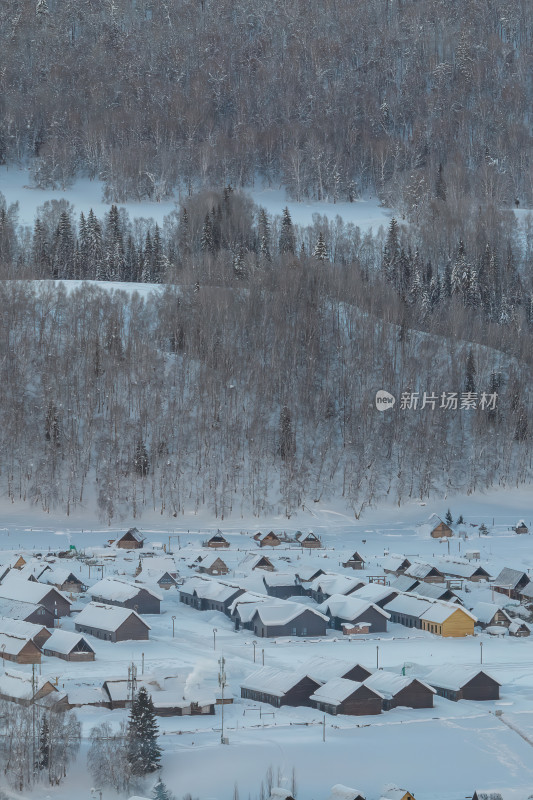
448, 518
321, 251
43, 757
287, 242
144, 753
207, 244
470, 381
160, 791
141, 460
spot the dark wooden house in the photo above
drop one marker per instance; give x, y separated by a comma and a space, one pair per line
509, 582
356, 561
341, 609
205, 594
37, 593
288, 619
400, 690
19, 649
64, 580
111, 623
455, 682
342, 696
217, 541
441, 530
310, 540
118, 592
278, 687
27, 612
68, 646
131, 540
213, 566
282, 586
270, 540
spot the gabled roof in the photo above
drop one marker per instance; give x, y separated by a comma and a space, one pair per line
15, 588
19, 684
337, 690
348, 608
64, 641
12, 643
17, 609
106, 618
508, 578
374, 592
404, 583
60, 575
16, 627
335, 583
134, 533
420, 569
433, 591
283, 612
273, 681
440, 611
462, 569
395, 562
253, 559
389, 684
454, 676
280, 579
324, 668
207, 589
486, 611
118, 589
217, 537
408, 604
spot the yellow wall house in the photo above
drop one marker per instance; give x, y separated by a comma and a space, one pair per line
448, 620
395, 793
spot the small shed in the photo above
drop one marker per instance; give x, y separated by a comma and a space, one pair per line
521, 527
68, 646
311, 540
213, 566
342, 696
131, 540
356, 561
217, 541
440, 530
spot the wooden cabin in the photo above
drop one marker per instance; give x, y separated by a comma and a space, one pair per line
341, 696
64, 580
441, 530
38, 593
131, 540
252, 562
311, 541
270, 540
18, 688
68, 646
213, 566
119, 592
447, 619
395, 793
491, 614
355, 561
279, 687
217, 541
287, 619
19, 649
521, 527
509, 582
400, 690
519, 628
111, 623
455, 682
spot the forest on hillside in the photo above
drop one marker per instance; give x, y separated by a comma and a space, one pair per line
329, 99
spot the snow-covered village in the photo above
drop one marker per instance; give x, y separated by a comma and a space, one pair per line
337, 662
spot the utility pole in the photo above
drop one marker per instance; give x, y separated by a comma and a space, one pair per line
377, 656
33, 693
222, 684
132, 681
481, 652
324, 729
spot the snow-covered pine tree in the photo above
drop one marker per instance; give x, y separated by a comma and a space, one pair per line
321, 251
448, 519
160, 791
287, 243
207, 244
470, 381
144, 753
43, 756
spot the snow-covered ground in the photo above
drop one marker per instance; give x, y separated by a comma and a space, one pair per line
15, 185
443, 753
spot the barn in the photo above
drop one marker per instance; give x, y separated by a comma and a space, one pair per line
342, 696
119, 592
111, 623
455, 682
68, 646
279, 687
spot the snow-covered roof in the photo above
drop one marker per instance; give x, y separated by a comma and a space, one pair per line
324, 668
439, 611
527, 591
462, 569
347, 608
59, 575
420, 569
284, 611
119, 590
209, 561
104, 617
389, 684
408, 604
486, 611
133, 532
374, 592
209, 589
64, 641
277, 793
19, 684
273, 681
13, 644
17, 627
247, 603
454, 676
509, 578
404, 583
340, 792
394, 562
335, 691
333, 583
280, 579
87, 695
16, 588
17, 609
431, 591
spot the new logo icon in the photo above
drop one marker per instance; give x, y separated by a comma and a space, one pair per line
384, 400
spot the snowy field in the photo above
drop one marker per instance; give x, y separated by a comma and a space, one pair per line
403, 746
86, 194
